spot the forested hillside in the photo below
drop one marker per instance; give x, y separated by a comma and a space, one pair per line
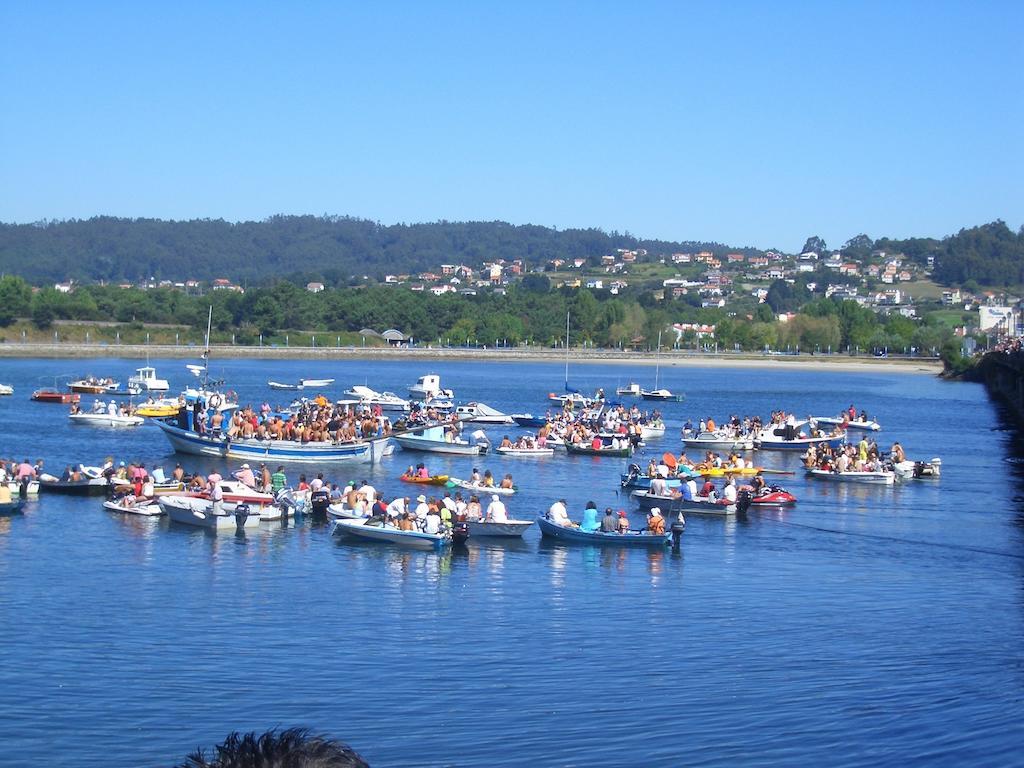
331, 249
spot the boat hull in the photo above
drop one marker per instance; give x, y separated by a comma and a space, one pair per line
576, 536
525, 453
586, 450
488, 529
105, 420
145, 508
185, 441
92, 487
863, 478
12, 507
670, 505
480, 489
720, 443
31, 487
409, 539
411, 443
199, 513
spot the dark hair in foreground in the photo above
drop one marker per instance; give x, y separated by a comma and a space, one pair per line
290, 748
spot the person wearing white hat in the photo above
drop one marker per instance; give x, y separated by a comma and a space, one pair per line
655, 522
245, 476
496, 512
422, 508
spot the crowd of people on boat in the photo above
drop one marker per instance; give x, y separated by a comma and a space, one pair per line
110, 409
863, 456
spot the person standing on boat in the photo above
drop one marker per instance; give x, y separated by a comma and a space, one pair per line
368, 491
659, 486
278, 481
398, 508
216, 493
422, 508
862, 449
897, 453
245, 476
689, 489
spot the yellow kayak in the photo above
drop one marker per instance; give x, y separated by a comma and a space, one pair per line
724, 471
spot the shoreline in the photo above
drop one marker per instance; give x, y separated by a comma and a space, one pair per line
805, 362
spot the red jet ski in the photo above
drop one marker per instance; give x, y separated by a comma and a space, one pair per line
773, 496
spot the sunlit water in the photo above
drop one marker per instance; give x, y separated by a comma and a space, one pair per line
866, 626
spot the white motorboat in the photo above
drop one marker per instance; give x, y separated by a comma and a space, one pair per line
390, 534
281, 386
131, 506
102, 418
575, 398
427, 387
340, 512
862, 425
31, 488
630, 390
440, 439
528, 453
199, 512
492, 529
790, 437
304, 383
720, 440
885, 477
652, 429
387, 401
916, 470
6, 389
481, 413
145, 380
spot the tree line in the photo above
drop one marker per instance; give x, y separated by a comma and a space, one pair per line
532, 313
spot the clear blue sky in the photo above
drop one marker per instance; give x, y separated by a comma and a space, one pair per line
746, 123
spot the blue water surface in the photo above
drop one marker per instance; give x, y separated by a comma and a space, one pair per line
865, 626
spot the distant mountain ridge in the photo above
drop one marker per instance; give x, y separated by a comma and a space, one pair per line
332, 248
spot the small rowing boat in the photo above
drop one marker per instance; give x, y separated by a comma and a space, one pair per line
528, 453
362, 529
87, 486
581, 449
47, 395
571, 534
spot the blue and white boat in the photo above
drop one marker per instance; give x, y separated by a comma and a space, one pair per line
388, 533
286, 451
789, 438
439, 438
632, 539
529, 420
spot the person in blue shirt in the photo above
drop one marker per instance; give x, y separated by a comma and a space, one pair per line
590, 522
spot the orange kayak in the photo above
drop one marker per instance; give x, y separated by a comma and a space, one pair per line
435, 480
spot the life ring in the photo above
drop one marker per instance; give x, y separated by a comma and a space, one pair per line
214, 401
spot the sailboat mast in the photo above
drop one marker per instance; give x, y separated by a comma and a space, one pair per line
206, 352
566, 351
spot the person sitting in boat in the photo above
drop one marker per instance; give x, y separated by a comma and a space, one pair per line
596, 443
558, 514
505, 442
609, 523
422, 472
757, 485
689, 489
432, 522
656, 523
708, 490
474, 478
422, 508
488, 481
729, 492
473, 509
496, 512
75, 408
245, 476
407, 522
506, 482
659, 487
652, 468
623, 522
590, 523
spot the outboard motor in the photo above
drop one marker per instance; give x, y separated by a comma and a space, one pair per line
743, 499
319, 501
460, 534
678, 526
241, 515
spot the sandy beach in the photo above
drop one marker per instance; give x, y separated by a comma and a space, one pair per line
521, 354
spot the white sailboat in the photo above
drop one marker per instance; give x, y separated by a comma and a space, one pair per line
657, 393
